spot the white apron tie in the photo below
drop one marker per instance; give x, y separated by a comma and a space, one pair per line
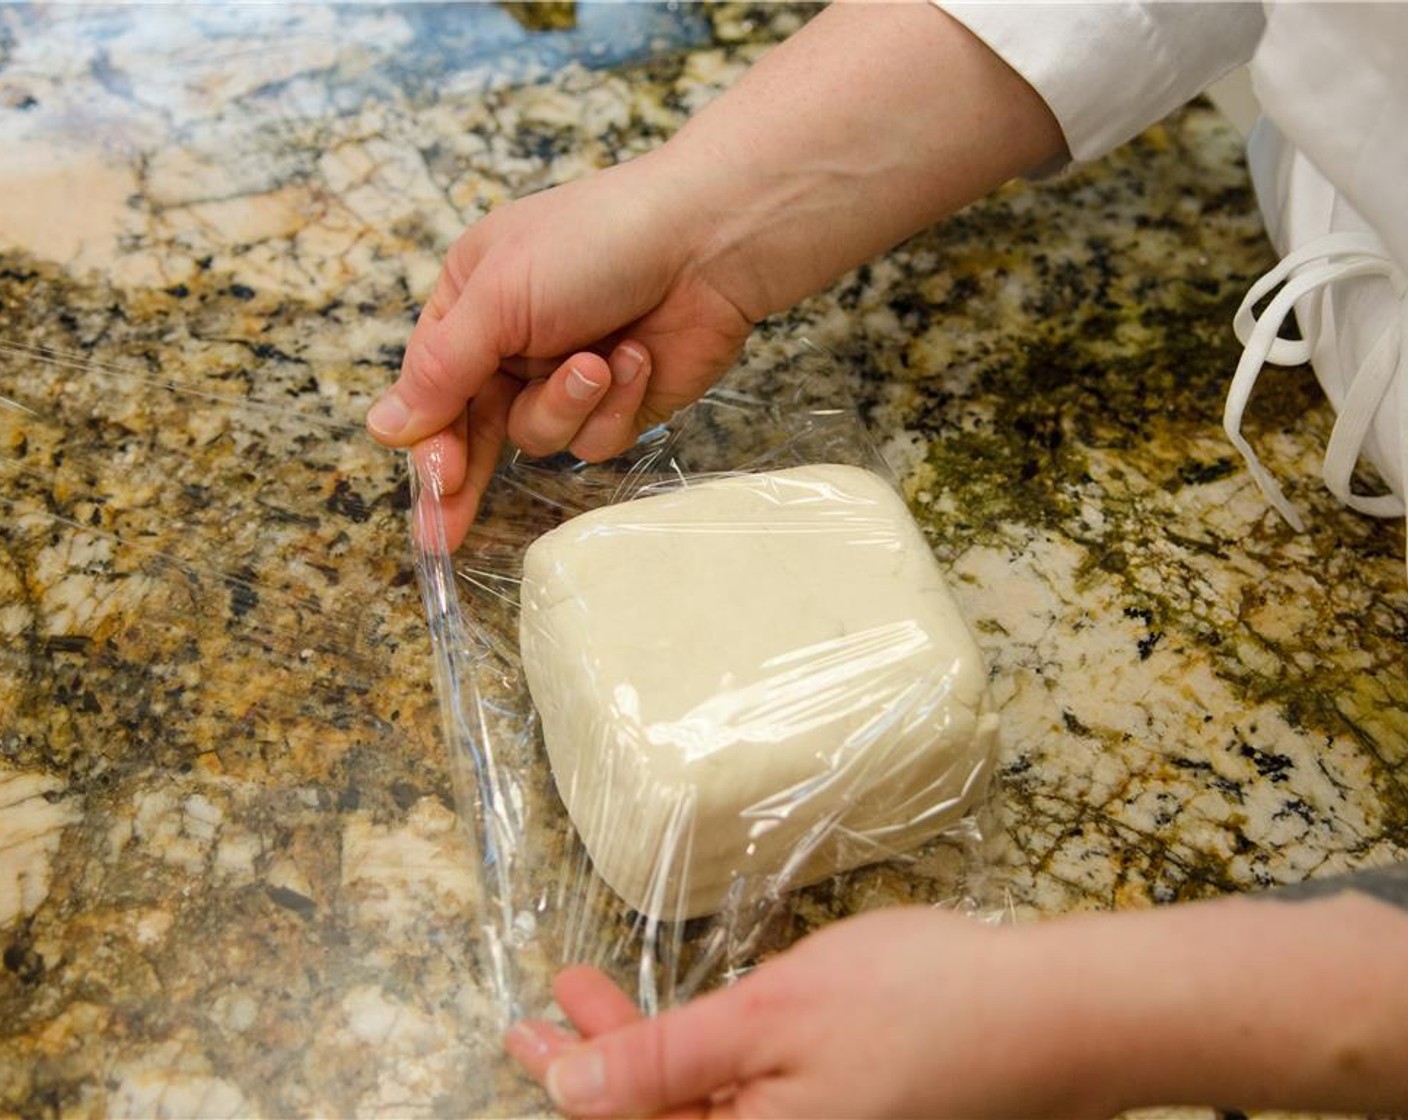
1327, 259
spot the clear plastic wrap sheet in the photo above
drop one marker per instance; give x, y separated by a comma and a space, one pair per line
224, 807
753, 681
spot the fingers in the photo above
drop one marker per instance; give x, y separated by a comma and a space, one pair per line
447, 291
450, 355
593, 1003
652, 1066
458, 462
535, 1045
459, 264
439, 460
439, 463
587, 404
547, 414
612, 426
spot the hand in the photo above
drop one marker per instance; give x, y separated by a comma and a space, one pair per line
905, 1012
626, 294
569, 319
1243, 1002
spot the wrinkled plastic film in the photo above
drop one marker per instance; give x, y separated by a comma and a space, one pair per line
157, 540
701, 699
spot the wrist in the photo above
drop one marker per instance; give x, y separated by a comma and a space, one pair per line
728, 215
821, 158
1066, 997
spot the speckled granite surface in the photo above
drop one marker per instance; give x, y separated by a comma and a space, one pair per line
231, 879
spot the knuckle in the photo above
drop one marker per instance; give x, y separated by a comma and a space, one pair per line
647, 1076
587, 451
428, 367
464, 253
438, 305
597, 447
533, 443
610, 431
538, 425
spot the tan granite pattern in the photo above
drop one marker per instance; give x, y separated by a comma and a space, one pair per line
231, 877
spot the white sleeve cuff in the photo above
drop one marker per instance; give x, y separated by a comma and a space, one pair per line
1109, 70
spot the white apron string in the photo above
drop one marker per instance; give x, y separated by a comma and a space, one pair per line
1336, 256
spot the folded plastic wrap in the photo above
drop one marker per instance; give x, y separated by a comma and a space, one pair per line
684, 685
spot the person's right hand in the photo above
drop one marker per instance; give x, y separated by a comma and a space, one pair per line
573, 319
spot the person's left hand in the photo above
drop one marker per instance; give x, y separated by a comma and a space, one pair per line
569, 319
903, 1012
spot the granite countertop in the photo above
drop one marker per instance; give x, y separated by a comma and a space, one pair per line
232, 880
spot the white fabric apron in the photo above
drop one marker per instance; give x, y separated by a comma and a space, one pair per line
1329, 163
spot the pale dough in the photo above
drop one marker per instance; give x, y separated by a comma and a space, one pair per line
759, 675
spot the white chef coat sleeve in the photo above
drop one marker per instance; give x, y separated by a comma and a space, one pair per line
1108, 70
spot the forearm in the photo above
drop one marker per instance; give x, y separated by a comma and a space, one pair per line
871, 123
1251, 1002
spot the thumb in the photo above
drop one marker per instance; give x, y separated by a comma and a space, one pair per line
448, 359
683, 1057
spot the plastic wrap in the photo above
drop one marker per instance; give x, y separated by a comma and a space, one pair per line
683, 685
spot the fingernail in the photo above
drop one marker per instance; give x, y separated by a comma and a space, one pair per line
628, 363
389, 415
580, 387
577, 1079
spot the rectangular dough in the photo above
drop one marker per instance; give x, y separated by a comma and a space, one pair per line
758, 678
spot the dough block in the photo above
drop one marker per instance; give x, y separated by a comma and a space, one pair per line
752, 682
